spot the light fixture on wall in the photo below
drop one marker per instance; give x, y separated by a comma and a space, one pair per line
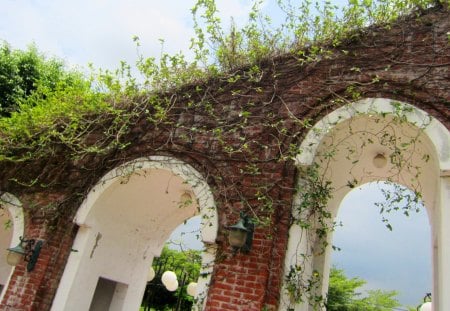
379, 161
27, 250
240, 235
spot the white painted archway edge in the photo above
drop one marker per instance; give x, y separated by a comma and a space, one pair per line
440, 139
201, 191
435, 130
16, 213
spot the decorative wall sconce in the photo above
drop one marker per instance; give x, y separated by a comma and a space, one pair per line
27, 250
240, 235
379, 161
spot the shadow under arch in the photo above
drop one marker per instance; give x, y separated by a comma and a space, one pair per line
376, 139
124, 222
10, 234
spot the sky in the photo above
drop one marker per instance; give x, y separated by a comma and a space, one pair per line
101, 32
392, 260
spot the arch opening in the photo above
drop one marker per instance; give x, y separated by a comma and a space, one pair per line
181, 255
187, 235
124, 223
388, 250
368, 141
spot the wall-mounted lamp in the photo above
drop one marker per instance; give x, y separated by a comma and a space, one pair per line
379, 161
240, 235
27, 250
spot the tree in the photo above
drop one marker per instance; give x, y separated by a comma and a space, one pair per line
186, 265
24, 72
343, 295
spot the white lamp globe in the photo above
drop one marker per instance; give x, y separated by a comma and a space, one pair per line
172, 285
151, 274
192, 289
426, 306
168, 277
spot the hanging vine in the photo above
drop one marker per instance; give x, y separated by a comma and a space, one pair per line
229, 105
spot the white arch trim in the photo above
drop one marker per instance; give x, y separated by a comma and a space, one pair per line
207, 211
435, 130
188, 173
439, 136
15, 210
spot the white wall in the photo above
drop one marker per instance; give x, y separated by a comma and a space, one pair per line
11, 213
349, 128
125, 222
6, 231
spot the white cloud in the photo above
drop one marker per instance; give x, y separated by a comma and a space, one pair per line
97, 31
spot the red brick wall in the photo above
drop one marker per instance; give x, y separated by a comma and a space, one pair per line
411, 62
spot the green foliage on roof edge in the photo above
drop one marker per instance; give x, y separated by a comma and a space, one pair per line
47, 105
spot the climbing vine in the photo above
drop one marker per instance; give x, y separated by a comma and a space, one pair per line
218, 108
399, 165
68, 112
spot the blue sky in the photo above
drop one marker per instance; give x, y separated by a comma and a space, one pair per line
393, 260
101, 32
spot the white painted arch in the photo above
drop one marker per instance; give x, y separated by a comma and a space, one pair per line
10, 235
370, 115
124, 222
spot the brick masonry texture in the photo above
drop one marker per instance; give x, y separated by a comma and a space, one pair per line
409, 62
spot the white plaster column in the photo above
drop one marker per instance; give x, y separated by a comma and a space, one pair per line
442, 300
298, 254
117, 243
297, 246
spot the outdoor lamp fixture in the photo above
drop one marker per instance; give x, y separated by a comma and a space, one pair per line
170, 281
27, 250
191, 289
240, 235
426, 305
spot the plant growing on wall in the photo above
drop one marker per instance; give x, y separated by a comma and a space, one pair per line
346, 145
92, 117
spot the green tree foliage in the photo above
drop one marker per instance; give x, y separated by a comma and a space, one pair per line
41, 101
188, 261
343, 295
58, 105
186, 265
24, 72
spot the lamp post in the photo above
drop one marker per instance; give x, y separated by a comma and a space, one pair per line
167, 284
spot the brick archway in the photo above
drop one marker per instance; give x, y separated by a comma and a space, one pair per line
124, 222
371, 116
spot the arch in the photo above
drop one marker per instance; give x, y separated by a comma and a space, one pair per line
363, 252
338, 146
129, 215
14, 214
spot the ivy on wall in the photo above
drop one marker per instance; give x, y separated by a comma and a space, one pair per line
218, 107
